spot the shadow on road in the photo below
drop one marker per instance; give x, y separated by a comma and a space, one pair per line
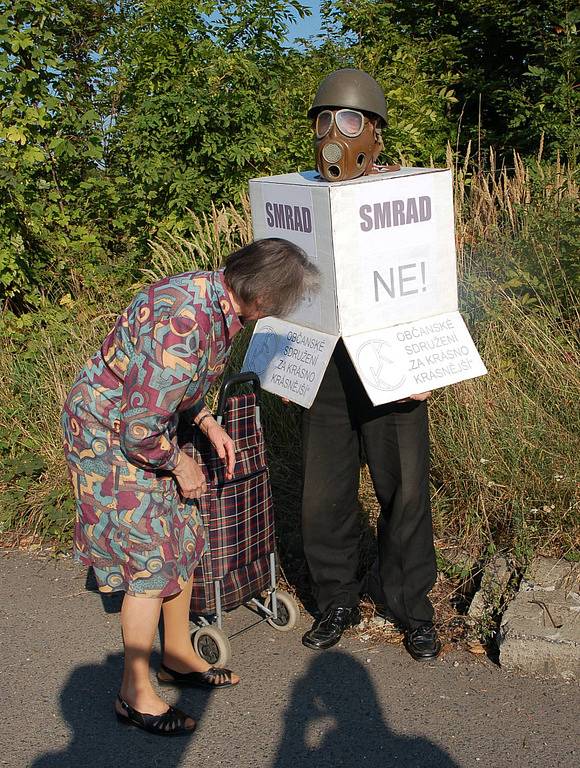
334, 719
98, 740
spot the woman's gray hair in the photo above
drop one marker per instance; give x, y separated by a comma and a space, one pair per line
274, 272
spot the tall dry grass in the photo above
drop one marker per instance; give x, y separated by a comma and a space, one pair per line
505, 446
214, 236
499, 198
37, 367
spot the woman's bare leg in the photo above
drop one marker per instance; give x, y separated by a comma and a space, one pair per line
178, 652
139, 620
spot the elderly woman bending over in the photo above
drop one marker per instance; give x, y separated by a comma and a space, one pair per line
137, 523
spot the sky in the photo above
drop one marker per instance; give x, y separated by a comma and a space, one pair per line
308, 26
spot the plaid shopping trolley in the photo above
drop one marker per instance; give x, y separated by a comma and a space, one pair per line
239, 566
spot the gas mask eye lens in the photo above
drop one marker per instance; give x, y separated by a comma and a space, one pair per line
350, 122
323, 123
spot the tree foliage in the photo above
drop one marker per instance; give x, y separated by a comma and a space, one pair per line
512, 63
198, 107
51, 142
119, 118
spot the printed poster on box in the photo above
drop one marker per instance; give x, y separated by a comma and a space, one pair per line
394, 250
295, 208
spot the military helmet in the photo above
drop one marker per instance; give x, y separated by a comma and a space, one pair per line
350, 88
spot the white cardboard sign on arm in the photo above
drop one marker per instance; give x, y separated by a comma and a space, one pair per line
385, 247
289, 359
415, 357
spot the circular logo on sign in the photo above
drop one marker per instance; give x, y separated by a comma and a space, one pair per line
262, 350
377, 366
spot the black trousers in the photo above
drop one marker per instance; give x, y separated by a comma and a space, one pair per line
339, 426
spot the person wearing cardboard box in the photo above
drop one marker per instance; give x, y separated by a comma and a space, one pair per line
349, 114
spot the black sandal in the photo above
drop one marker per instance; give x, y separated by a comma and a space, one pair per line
170, 723
214, 677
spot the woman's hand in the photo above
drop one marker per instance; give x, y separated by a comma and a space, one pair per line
222, 442
189, 477
219, 438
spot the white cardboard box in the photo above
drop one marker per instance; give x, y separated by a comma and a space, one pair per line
385, 246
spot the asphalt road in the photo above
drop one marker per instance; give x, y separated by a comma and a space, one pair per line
358, 704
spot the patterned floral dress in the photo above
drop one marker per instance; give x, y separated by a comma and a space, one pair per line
120, 423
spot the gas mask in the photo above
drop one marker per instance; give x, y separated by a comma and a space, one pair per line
347, 143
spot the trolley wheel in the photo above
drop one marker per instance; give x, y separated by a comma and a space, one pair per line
213, 645
288, 612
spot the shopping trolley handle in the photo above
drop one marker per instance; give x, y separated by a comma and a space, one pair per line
233, 381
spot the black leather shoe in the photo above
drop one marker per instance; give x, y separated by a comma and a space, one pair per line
328, 630
422, 642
